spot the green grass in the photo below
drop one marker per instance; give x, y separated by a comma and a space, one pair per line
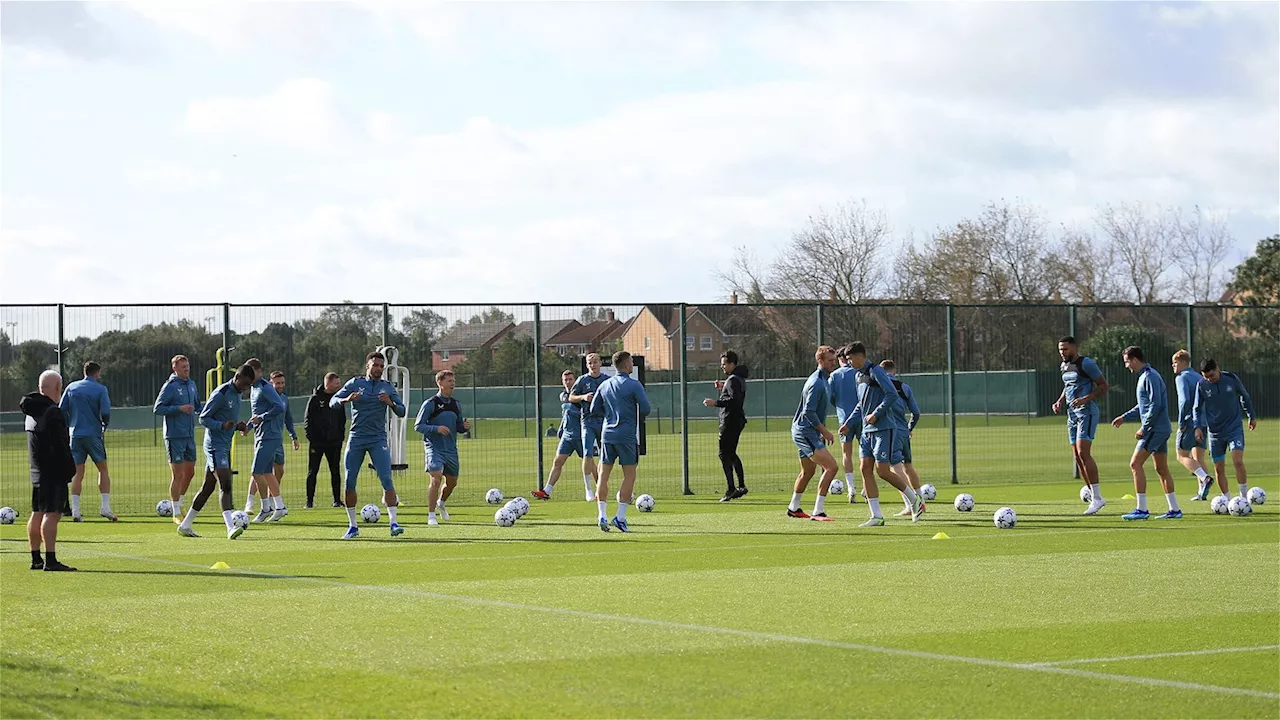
706, 610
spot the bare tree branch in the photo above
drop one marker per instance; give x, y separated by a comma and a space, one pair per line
1139, 238
1200, 244
838, 255
745, 276
1087, 267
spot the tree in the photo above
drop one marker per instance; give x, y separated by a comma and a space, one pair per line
493, 315
1086, 268
1256, 284
744, 275
421, 329
367, 317
1202, 242
591, 314
1139, 237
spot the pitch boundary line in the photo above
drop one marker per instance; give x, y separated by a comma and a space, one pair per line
1155, 656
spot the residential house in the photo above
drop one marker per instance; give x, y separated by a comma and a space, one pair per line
598, 336
655, 333
464, 339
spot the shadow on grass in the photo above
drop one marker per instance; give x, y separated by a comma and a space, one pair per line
248, 574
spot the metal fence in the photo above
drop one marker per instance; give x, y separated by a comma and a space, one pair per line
985, 376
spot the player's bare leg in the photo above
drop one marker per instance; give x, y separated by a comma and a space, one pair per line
846, 453
908, 473
1242, 476
602, 491
557, 467
1193, 461
626, 492
1137, 466
179, 482
77, 484
1089, 473
1166, 483
590, 477
807, 468
450, 482
433, 496
824, 460
253, 492
273, 492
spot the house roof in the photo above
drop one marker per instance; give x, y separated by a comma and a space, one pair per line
550, 328
470, 336
588, 334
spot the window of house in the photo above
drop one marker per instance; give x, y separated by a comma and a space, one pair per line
706, 342
444, 355
646, 343
690, 341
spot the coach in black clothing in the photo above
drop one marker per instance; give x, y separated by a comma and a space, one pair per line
326, 427
733, 419
52, 468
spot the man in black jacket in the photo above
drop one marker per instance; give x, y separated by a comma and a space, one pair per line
52, 468
733, 418
326, 427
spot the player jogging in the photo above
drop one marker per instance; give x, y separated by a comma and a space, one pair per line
1191, 450
268, 443
880, 446
906, 426
622, 402
440, 421
570, 434
369, 396
811, 436
844, 395
277, 463
1217, 410
1082, 384
220, 418
583, 392
1152, 411
87, 407
179, 404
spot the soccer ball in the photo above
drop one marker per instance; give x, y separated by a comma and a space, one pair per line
8, 515
1257, 496
644, 503
1086, 495
240, 519
837, 487
1006, 518
164, 508
964, 502
522, 506
493, 497
928, 492
371, 513
1219, 505
505, 516
1239, 506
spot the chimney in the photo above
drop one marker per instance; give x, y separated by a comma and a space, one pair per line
833, 296
733, 298
608, 315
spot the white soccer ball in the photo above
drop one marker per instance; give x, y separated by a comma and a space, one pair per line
493, 497
1239, 506
8, 515
164, 508
928, 492
505, 516
522, 506
964, 502
1219, 505
1086, 495
644, 503
240, 519
370, 513
1257, 496
837, 487
1005, 518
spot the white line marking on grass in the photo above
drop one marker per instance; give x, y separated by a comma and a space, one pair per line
1154, 656
716, 630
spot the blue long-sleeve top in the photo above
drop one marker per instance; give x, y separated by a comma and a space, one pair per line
266, 403
87, 407
1153, 402
223, 406
570, 413
175, 393
586, 385
622, 401
438, 411
876, 396
908, 405
368, 414
844, 392
1218, 404
1187, 382
815, 398
288, 417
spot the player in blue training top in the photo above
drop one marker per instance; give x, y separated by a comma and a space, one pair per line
810, 434
277, 462
1190, 450
570, 434
1217, 410
623, 403
881, 446
1082, 384
583, 393
220, 417
370, 396
179, 404
844, 396
1152, 411
440, 421
268, 437
87, 407
906, 426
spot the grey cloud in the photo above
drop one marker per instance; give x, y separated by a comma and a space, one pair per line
68, 27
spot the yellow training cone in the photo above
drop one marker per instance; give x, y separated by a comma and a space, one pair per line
219, 566
1128, 497
942, 536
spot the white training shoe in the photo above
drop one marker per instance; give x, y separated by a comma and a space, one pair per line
904, 512
444, 514
432, 521
278, 515
1094, 506
263, 516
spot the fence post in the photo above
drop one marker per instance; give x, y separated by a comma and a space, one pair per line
62, 342
386, 322
524, 404
475, 408
951, 386
1071, 330
537, 385
764, 388
226, 335
684, 400
822, 323
1191, 331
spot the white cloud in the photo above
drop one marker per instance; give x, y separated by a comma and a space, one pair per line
300, 114
234, 26
171, 176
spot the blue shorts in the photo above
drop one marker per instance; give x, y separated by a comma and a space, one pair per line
625, 454
1220, 445
591, 433
442, 463
90, 447
217, 458
264, 456
570, 444
855, 428
808, 442
379, 455
906, 447
884, 446
1155, 442
278, 458
1082, 424
1187, 439
181, 450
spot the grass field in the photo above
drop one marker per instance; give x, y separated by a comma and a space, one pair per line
705, 610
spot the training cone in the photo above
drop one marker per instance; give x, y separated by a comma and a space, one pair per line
1127, 496
219, 566
942, 536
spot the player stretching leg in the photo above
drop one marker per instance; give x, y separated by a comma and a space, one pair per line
87, 407
277, 462
1153, 437
570, 435
584, 392
844, 395
369, 396
1082, 384
1217, 409
881, 449
219, 418
179, 404
440, 421
622, 402
268, 442
905, 428
1190, 450
811, 436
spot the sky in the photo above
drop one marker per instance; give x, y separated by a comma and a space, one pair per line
589, 153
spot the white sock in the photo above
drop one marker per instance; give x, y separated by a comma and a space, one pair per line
75, 505
604, 509
817, 504
1202, 475
1244, 490
795, 502
440, 504
1172, 499
848, 480
106, 502
278, 502
905, 501
1226, 496
910, 496
875, 506
351, 516
1096, 492
622, 511
226, 518
177, 507
266, 504
190, 518
1142, 501
391, 510
548, 489
248, 502
590, 483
